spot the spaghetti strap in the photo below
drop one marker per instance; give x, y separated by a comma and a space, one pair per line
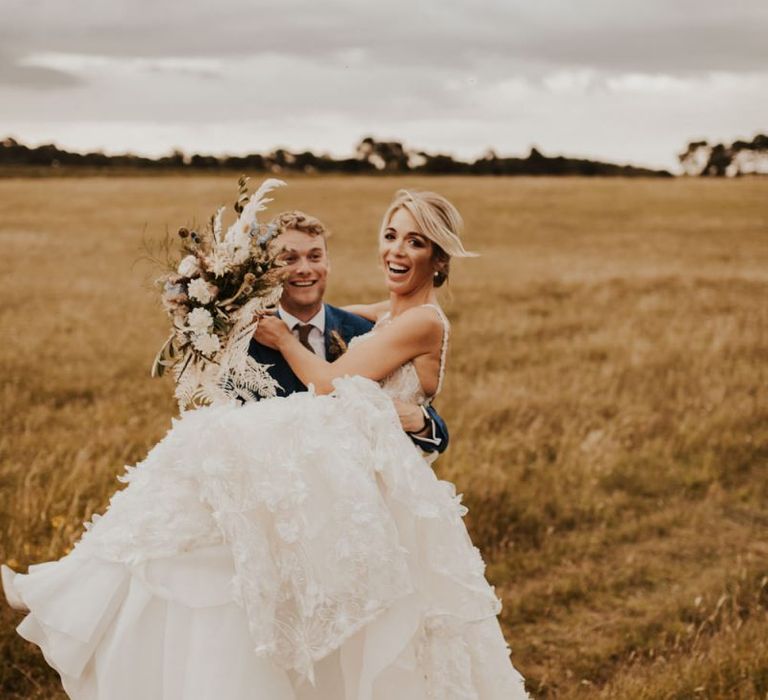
443, 348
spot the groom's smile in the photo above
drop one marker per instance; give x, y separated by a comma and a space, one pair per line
302, 283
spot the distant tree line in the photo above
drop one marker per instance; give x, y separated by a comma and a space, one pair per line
726, 160
371, 156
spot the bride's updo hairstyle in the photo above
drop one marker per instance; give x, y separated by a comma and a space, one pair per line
439, 221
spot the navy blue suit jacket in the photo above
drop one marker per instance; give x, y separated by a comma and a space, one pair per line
348, 326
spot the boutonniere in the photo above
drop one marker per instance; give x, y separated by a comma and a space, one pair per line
336, 347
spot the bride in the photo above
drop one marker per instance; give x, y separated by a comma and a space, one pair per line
293, 548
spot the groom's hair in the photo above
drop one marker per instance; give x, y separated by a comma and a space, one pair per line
299, 221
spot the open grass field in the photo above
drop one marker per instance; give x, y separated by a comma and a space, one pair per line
606, 395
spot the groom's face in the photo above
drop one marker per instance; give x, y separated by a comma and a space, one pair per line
307, 265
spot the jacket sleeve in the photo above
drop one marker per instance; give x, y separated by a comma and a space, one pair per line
434, 437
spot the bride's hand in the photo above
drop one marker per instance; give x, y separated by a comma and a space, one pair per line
272, 332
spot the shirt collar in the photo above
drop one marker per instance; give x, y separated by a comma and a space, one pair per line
318, 320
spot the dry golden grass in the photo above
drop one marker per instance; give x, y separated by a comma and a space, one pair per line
606, 396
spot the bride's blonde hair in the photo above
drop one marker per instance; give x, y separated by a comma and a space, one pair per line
438, 220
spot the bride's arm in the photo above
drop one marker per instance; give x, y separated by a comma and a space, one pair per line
373, 312
416, 332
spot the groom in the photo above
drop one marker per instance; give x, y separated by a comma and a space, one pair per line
325, 329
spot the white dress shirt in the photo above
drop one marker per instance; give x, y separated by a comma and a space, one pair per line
316, 335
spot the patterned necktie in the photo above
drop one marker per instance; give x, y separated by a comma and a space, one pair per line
304, 330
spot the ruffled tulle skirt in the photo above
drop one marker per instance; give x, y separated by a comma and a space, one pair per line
296, 548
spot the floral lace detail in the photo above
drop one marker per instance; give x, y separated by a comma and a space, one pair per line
465, 660
312, 495
443, 654
404, 383
332, 517
308, 575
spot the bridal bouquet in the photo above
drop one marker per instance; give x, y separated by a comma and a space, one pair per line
220, 282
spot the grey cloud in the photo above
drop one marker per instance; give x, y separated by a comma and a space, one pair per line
684, 48
474, 73
648, 36
13, 73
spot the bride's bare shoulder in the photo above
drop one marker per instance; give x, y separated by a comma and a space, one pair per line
373, 312
422, 322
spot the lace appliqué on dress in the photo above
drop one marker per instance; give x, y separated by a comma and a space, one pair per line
332, 518
404, 383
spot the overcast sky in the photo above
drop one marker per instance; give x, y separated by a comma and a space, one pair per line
622, 80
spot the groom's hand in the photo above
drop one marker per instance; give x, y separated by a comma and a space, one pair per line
411, 416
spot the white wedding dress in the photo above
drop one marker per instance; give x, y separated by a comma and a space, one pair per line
297, 548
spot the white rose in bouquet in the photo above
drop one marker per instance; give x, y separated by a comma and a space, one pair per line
199, 289
189, 266
206, 343
199, 320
